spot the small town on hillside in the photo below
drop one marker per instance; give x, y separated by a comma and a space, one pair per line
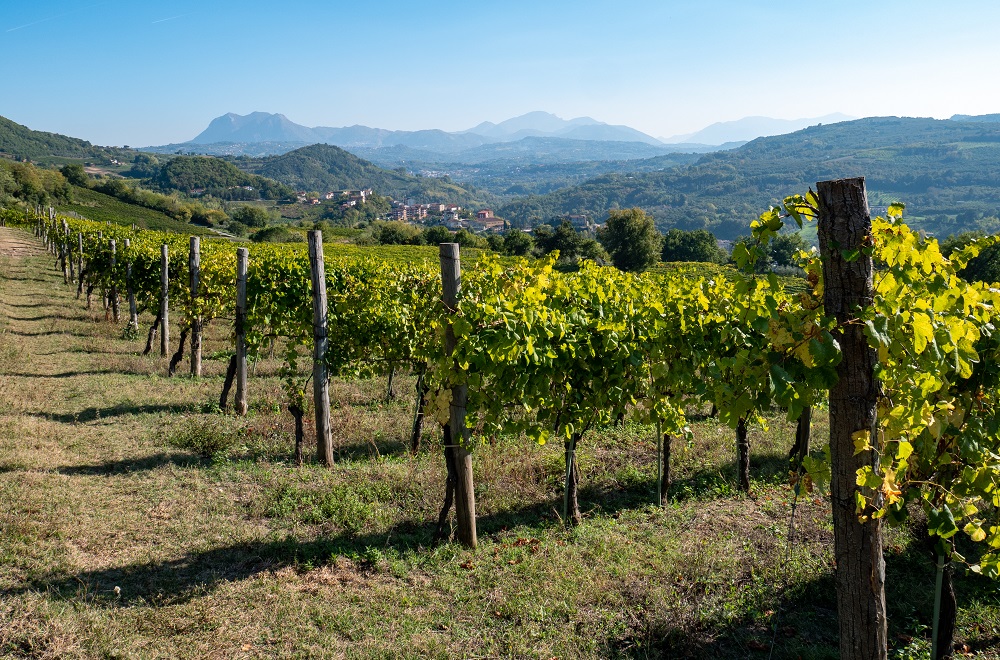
452, 216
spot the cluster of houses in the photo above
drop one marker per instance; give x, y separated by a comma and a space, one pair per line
347, 198
450, 215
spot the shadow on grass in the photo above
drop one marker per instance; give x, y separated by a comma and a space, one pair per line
153, 462
801, 621
179, 580
51, 333
122, 409
73, 374
367, 450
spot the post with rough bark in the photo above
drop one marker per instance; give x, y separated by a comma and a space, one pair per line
164, 297
465, 498
133, 310
113, 294
844, 229
79, 258
321, 386
194, 268
242, 257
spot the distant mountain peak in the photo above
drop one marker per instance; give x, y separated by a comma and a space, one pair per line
257, 127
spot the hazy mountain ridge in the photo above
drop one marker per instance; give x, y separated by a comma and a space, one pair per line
947, 172
749, 128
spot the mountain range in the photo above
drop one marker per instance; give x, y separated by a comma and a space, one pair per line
749, 128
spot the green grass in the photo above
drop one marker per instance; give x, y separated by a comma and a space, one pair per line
99, 207
138, 523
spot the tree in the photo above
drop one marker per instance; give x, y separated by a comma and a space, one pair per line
397, 233
785, 247
251, 216
630, 237
438, 234
563, 238
695, 245
517, 243
75, 174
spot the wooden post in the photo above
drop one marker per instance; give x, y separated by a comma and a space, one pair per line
465, 497
69, 252
845, 228
321, 394
113, 294
164, 295
242, 258
133, 312
194, 268
742, 455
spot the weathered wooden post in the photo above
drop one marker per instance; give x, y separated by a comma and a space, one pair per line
79, 264
844, 229
465, 497
133, 312
194, 267
742, 455
69, 252
242, 259
164, 296
113, 293
321, 393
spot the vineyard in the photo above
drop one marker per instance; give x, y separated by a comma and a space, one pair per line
625, 374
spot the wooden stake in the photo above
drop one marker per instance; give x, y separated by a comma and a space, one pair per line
845, 227
164, 296
133, 312
194, 268
114, 285
465, 497
242, 259
321, 394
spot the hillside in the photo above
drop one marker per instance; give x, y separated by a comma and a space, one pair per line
216, 177
947, 172
22, 143
323, 167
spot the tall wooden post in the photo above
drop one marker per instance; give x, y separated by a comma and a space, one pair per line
321, 393
465, 497
113, 294
194, 267
69, 252
164, 296
242, 258
133, 312
844, 228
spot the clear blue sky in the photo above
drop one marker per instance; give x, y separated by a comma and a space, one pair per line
143, 72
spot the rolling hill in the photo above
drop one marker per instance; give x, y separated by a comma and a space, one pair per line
323, 167
946, 171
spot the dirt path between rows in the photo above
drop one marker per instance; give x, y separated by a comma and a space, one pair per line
14, 243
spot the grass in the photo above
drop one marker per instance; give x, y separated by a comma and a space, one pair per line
136, 522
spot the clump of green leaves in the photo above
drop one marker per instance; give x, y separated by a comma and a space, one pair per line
209, 438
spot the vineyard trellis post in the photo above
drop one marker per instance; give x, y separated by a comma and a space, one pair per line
79, 263
194, 268
321, 384
164, 299
465, 497
133, 312
113, 294
845, 229
242, 257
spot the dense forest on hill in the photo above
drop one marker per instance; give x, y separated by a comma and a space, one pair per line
322, 167
947, 172
19, 142
212, 176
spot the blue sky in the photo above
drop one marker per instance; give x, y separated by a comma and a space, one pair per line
140, 72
